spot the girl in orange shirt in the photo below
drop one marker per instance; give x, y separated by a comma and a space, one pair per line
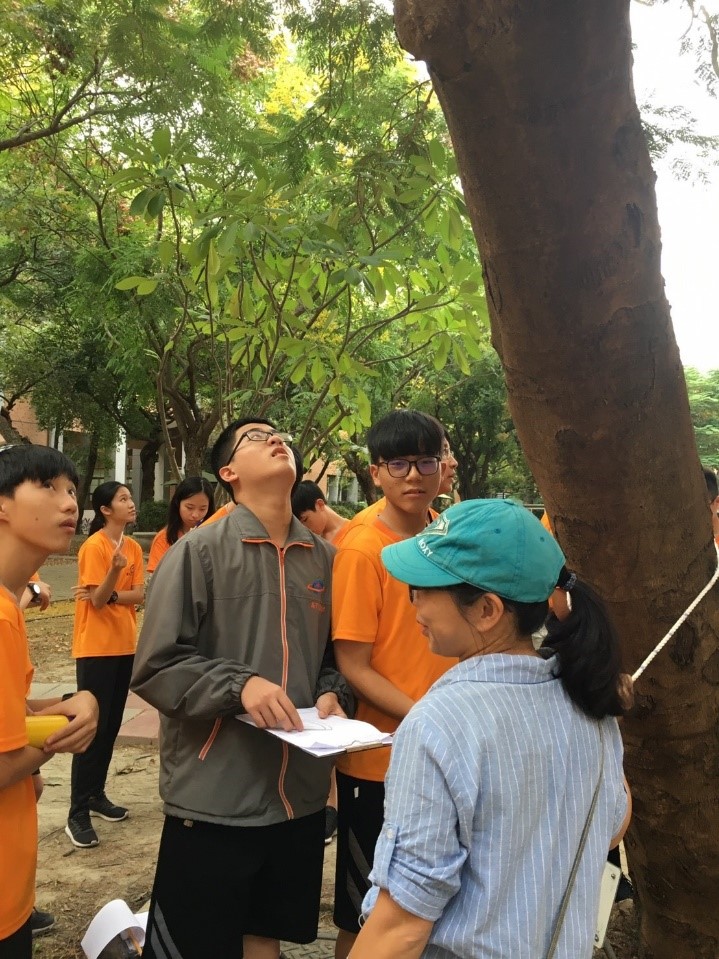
110, 586
192, 503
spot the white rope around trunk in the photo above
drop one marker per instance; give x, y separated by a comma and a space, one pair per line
687, 612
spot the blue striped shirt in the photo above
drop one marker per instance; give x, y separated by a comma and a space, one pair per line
490, 782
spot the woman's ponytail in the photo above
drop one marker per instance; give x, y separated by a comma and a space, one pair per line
587, 649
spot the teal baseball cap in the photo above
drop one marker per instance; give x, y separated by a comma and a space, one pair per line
493, 544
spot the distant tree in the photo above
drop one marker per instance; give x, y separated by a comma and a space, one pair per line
473, 409
703, 389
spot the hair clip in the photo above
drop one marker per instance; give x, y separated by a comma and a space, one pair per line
570, 583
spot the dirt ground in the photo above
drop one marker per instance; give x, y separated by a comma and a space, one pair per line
74, 883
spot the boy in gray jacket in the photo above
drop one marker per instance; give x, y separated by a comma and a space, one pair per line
238, 621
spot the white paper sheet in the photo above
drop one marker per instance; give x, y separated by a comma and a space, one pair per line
114, 918
330, 736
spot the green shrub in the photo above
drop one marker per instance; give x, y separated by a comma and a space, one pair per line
348, 510
151, 516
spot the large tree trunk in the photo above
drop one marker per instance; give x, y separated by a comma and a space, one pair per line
540, 106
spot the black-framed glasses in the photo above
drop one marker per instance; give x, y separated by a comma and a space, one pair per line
256, 435
400, 467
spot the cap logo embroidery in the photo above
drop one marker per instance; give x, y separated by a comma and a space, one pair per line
440, 527
424, 548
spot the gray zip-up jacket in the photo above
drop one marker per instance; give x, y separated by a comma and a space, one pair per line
226, 604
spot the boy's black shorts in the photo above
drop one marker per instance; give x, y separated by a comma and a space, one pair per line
360, 814
18, 945
216, 883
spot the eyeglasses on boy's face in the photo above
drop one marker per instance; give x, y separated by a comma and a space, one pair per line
256, 435
400, 467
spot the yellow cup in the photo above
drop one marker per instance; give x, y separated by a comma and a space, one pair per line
40, 727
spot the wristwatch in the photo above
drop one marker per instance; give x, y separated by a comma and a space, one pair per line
113, 597
36, 593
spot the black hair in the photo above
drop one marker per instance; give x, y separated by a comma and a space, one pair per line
223, 447
305, 497
585, 643
529, 616
190, 486
38, 464
710, 478
103, 495
587, 649
405, 432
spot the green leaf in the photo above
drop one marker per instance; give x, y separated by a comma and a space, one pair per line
144, 287
166, 251
154, 207
250, 231
456, 230
129, 283
317, 373
410, 196
427, 302
364, 408
122, 176
139, 204
298, 373
441, 354
436, 152
226, 241
460, 358
162, 141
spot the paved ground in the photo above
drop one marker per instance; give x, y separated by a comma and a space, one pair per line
61, 573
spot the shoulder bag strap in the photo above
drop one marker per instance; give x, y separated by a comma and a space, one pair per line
582, 842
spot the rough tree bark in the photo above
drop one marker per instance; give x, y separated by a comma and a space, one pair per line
540, 106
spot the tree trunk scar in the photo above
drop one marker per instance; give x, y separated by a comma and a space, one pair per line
491, 284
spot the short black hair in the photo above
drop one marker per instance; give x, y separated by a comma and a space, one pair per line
224, 443
305, 497
710, 478
405, 432
22, 462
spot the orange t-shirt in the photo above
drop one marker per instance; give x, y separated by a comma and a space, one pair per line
365, 517
158, 549
18, 809
111, 630
221, 513
370, 606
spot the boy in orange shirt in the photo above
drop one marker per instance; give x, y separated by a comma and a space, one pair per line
38, 513
378, 645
